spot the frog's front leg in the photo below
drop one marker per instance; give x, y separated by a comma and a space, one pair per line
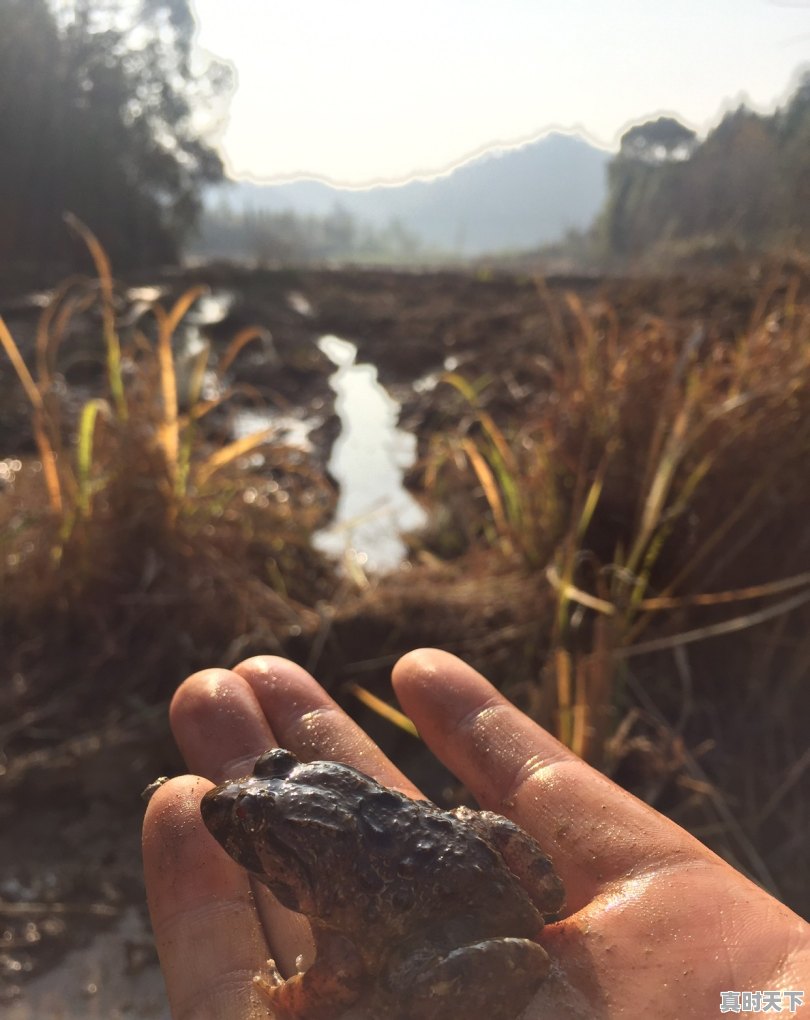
495, 979
332, 983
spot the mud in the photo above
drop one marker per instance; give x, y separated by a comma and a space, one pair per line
73, 762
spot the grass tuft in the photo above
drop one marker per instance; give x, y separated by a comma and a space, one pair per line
657, 476
153, 529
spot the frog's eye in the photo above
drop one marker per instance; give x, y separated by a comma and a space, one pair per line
275, 764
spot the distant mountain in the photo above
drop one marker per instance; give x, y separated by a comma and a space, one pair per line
503, 200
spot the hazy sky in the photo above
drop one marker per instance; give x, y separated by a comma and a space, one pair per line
366, 90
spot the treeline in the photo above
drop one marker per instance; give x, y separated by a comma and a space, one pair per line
263, 236
746, 187
99, 116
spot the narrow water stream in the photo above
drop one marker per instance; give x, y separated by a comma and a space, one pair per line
368, 461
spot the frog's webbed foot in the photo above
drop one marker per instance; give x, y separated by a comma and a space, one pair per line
330, 985
268, 978
495, 979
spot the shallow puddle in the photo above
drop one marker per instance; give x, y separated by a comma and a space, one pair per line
368, 461
290, 429
114, 977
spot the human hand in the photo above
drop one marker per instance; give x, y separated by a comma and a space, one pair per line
655, 924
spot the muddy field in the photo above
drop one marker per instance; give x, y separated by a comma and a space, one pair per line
80, 740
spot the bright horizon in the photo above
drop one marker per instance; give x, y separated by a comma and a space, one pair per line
361, 93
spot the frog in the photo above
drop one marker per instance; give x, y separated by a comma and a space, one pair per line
416, 912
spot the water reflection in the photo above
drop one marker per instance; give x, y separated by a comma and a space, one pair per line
291, 430
193, 348
114, 976
368, 461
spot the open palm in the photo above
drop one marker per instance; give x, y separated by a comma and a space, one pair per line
655, 924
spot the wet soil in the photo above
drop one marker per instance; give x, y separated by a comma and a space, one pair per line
74, 758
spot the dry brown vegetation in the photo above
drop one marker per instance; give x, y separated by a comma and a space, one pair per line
132, 538
620, 541
659, 483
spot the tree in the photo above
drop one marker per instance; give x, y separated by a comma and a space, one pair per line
747, 184
103, 125
29, 55
658, 141
794, 162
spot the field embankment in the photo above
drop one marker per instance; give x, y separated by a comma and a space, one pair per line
615, 479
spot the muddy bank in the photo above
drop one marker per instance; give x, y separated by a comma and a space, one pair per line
80, 743
409, 325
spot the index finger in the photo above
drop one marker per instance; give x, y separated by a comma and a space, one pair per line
207, 932
595, 832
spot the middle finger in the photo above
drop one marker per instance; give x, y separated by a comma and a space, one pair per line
312, 725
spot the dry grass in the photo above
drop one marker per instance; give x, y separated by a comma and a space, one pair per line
658, 478
634, 565
154, 550
660, 484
